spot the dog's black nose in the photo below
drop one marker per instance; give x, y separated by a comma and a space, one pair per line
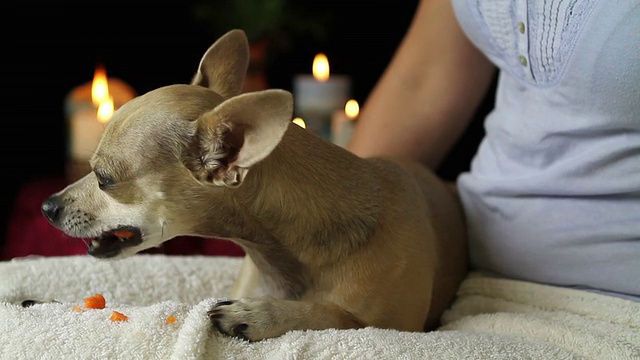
52, 207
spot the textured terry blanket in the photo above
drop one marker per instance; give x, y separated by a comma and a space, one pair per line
492, 318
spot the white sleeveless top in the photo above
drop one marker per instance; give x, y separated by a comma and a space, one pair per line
553, 194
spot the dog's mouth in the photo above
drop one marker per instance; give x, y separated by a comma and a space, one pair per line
110, 243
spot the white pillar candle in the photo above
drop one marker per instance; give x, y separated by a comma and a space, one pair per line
85, 131
81, 107
318, 96
343, 123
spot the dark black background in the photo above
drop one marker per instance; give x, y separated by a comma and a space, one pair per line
51, 47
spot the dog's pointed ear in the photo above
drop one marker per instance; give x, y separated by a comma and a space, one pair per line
224, 65
237, 134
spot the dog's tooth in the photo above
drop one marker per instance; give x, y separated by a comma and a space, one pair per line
95, 243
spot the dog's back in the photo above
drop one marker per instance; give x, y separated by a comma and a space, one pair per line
334, 240
447, 218
390, 224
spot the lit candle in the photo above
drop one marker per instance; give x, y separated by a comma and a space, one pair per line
88, 108
343, 122
300, 122
317, 96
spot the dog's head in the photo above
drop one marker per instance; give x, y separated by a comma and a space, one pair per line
169, 158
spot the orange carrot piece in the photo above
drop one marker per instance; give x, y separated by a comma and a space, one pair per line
118, 316
123, 234
171, 319
96, 301
77, 309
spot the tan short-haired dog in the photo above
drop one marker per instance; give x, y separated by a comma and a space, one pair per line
332, 240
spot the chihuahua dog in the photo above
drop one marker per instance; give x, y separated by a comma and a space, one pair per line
332, 240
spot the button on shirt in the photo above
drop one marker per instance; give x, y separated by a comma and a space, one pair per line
553, 194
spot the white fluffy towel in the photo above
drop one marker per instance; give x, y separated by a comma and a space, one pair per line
492, 318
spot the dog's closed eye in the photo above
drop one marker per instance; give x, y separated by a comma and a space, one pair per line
104, 181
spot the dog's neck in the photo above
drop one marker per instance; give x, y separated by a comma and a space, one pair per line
305, 194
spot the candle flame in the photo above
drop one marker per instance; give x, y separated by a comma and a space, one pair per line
321, 67
105, 110
100, 86
298, 121
352, 109
100, 95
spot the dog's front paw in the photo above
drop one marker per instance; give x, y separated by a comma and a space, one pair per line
250, 319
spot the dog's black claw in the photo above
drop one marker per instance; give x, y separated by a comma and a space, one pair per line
215, 315
225, 302
28, 303
218, 327
238, 331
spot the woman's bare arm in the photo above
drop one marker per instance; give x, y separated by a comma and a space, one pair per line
428, 93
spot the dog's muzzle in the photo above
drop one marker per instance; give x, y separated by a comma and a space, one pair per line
111, 243
51, 208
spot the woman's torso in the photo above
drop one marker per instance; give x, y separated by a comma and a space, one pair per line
553, 194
